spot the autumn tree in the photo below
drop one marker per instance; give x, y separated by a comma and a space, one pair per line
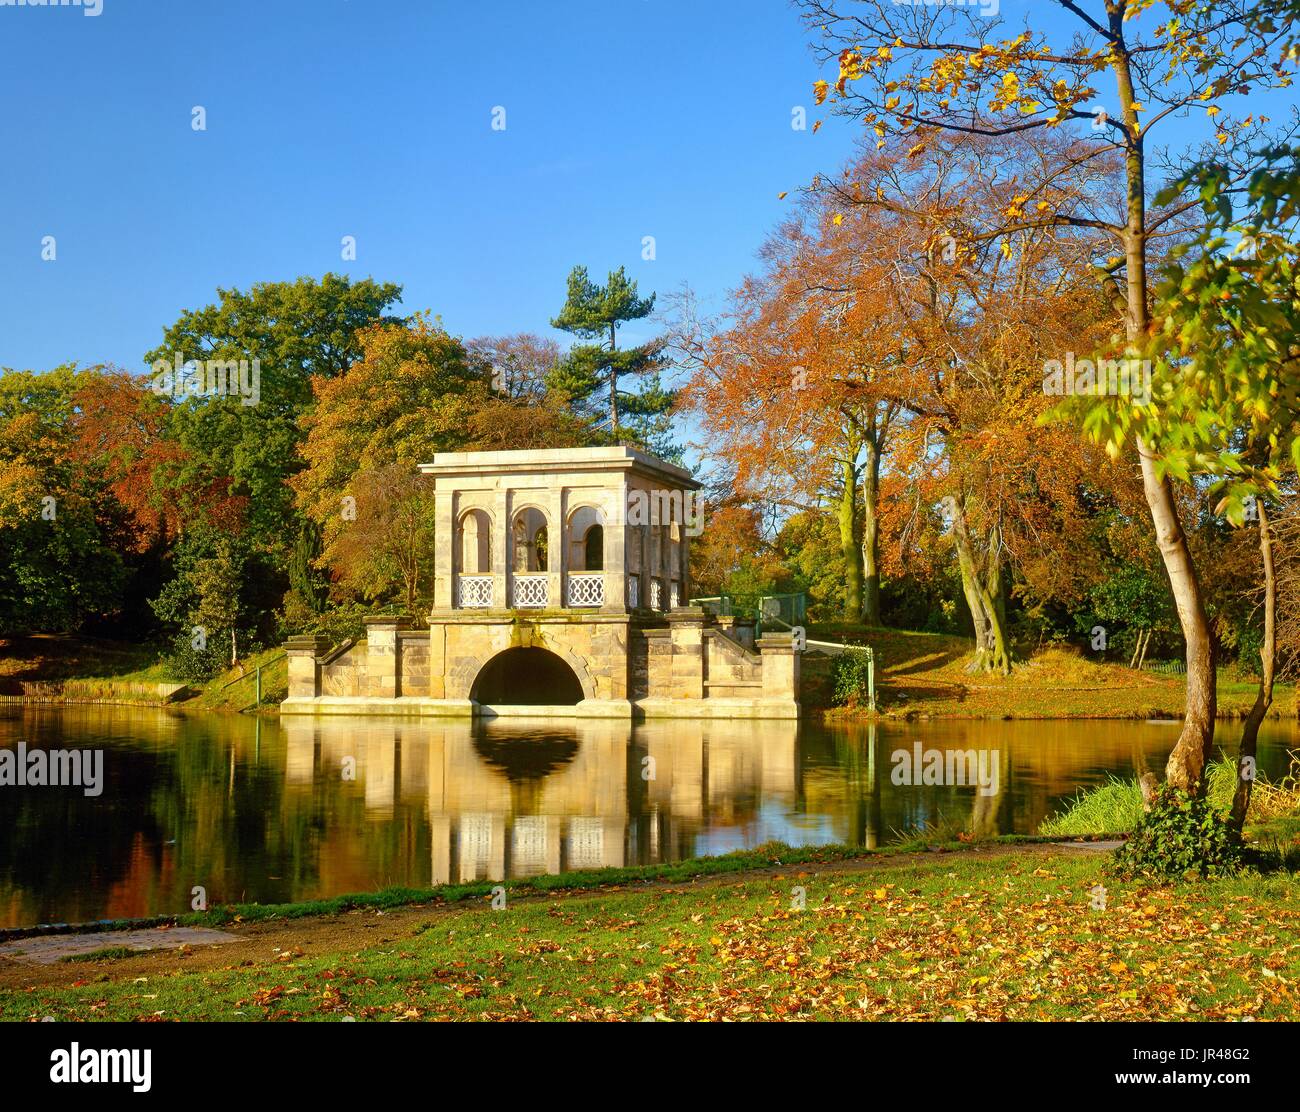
790, 382
922, 70
410, 395
58, 565
523, 409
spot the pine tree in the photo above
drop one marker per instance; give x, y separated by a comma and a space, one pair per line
591, 372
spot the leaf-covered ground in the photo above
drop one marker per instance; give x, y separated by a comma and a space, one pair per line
992, 935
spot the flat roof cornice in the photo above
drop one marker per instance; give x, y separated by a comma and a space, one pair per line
559, 461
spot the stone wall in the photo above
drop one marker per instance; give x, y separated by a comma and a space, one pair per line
414, 661
732, 670
680, 664
344, 671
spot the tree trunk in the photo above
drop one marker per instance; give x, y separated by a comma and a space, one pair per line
613, 385
990, 636
1264, 696
871, 536
849, 541
1186, 767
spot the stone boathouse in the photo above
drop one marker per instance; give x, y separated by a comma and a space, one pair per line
561, 580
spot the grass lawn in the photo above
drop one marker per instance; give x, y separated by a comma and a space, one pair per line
992, 933
93, 669
924, 675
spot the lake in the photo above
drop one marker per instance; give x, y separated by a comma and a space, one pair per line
269, 811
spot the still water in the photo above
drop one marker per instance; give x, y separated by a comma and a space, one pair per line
270, 811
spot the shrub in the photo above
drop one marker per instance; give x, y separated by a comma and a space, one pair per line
1182, 834
193, 665
849, 674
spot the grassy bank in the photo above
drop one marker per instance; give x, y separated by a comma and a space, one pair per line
1116, 806
1003, 933
58, 668
923, 675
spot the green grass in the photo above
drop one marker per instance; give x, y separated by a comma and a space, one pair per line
960, 936
90, 670
236, 688
108, 953
1116, 806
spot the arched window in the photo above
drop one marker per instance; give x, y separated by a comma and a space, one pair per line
475, 547
530, 540
594, 548
586, 547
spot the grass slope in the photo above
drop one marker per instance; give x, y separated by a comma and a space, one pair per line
1009, 933
921, 675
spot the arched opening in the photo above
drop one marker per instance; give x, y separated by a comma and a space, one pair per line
530, 540
586, 540
475, 543
527, 677
594, 548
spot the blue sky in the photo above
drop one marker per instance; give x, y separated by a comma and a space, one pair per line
329, 118
373, 119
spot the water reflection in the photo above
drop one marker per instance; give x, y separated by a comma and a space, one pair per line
270, 811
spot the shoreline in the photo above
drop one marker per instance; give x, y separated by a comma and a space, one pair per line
740, 863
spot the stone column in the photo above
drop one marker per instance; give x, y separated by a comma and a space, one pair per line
780, 667
304, 671
686, 626
383, 668
557, 548
437, 660
444, 550
615, 557
503, 549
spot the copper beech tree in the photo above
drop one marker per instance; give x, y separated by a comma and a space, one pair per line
1109, 77
793, 381
870, 340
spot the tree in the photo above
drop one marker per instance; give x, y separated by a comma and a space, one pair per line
592, 372
247, 446
522, 410
57, 563
387, 548
412, 394
919, 71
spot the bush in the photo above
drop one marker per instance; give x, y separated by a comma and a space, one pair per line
1181, 835
193, 665
849, 672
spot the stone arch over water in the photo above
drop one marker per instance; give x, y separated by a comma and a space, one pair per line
530, 677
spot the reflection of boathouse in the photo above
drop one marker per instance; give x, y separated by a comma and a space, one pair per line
560, 585
606, 797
